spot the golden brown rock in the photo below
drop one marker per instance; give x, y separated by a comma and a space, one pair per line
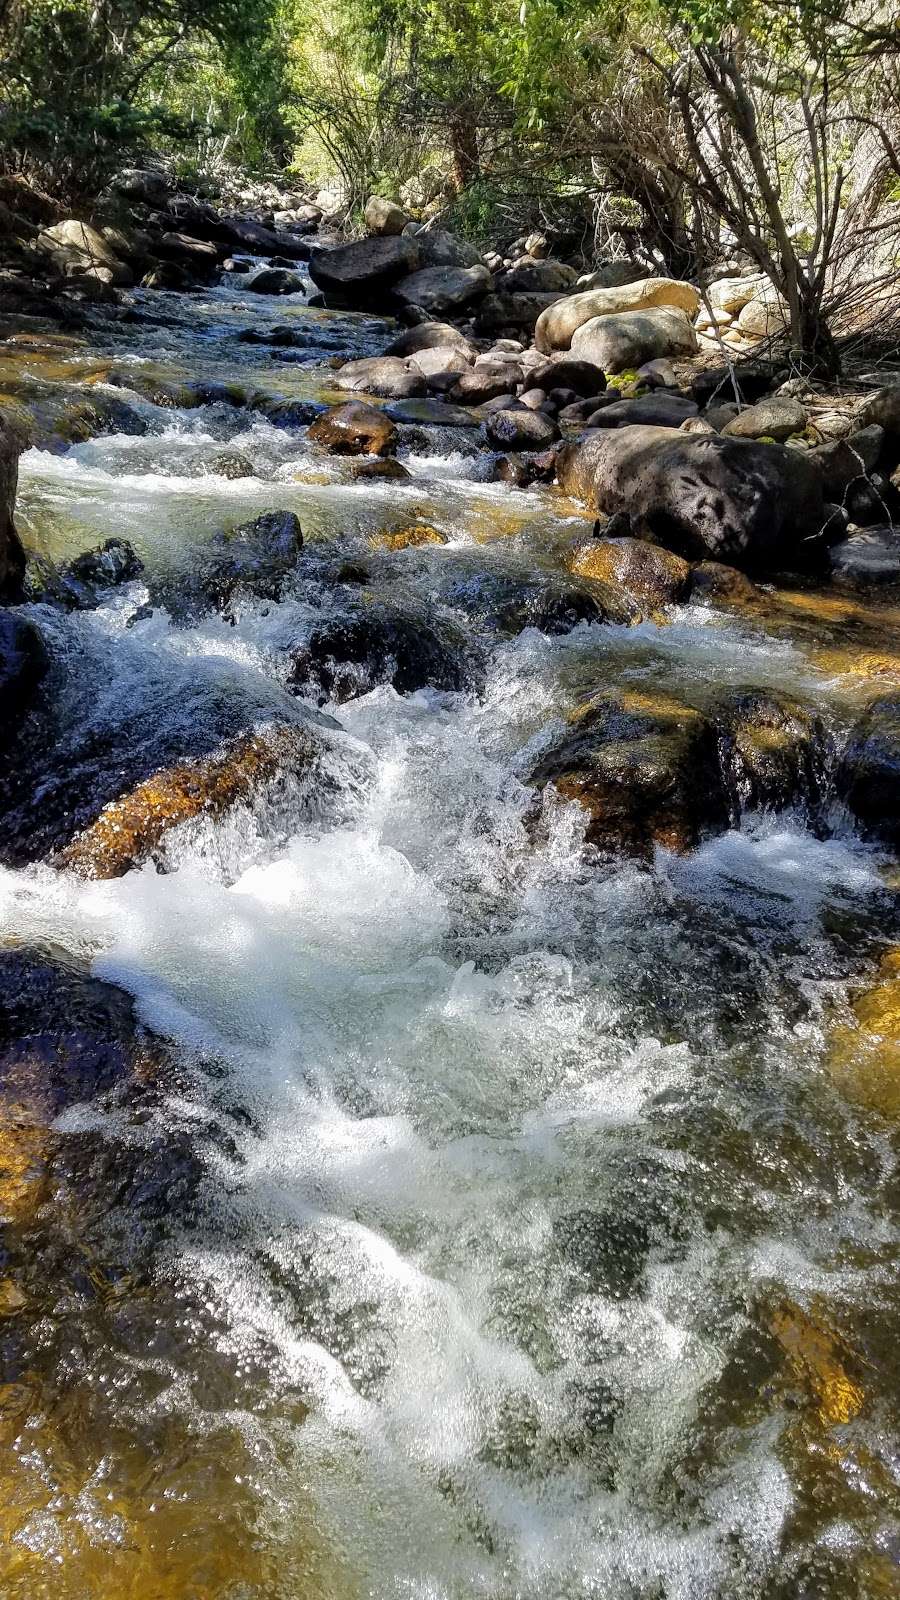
647, 573
129, 830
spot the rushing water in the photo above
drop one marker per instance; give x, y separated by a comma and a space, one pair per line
509, 1234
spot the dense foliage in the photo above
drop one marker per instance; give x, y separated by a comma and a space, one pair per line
675, 129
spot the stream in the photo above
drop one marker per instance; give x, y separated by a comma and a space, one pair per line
489, 1220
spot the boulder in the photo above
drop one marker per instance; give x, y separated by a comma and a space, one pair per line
78, 245
252, 236
617, 342
557, 326
479, 384
384, 217
441, 366
843, 461
147, 185
520, 430
868, 778
567, 372
438, 248
731, 295
430, 336
657, 410
355, 429
193, 255
713, 580
275, 280
81, 584
385, 470
613, 275
134, 828
507, 603
362, 273
438, 290
520, 309
773, 750
867, 557
390, 376
12, 556
349, 655
763, 317
756, 506
645, 573
883, 409
776, 418
536, 276
644, 767
23, 663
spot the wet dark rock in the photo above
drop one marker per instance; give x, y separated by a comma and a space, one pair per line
255, 558
275, 280
355, 429
774, 750
260, 240
713, 580
520, 430
195, 255
169, 276
23, 664
349, 655
868, 777
12, 556
64, 1037
290, 413
361, 274
644, 768
507, 603
80, 584
867, 557
648, 575
523, 470
431, 413
385, 470
281, 335
133, 829
390, 376
753, 379
753, 505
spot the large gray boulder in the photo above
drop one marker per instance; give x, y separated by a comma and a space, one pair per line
12, 556
557, 326
442, 289
430, 336
391, 376
759, 507
442, 249
384, 217
520, 309
621, 341
361, 274
76, 245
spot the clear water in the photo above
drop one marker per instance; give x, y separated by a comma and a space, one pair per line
523, 1245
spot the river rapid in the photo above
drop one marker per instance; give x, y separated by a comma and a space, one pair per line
493, 1221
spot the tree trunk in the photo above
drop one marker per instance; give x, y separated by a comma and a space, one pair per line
464, 148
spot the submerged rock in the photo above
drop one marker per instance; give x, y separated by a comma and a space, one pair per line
256, 557
773, 750
755, 505
507, 603
275, 280
133, 828
80, 584
355, 429
349, 655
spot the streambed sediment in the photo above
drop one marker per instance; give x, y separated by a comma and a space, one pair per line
450, 1200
